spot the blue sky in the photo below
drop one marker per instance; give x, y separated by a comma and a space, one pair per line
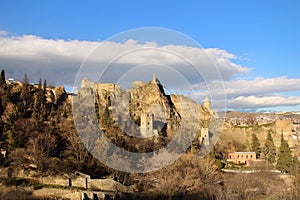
263, 34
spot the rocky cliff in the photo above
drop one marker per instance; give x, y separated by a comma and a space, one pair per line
164, 113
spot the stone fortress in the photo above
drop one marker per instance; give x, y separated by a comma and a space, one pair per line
151, 108
85, 83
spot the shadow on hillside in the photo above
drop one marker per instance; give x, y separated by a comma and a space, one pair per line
155, 196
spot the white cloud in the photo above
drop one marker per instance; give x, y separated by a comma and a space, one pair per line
257, 86
33, 48
58, 61
50, 57
3, 33
257, 93
262, 102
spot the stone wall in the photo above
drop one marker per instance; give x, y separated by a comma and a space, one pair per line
56, 192
107, 185
53, 180
79, 182
85, 83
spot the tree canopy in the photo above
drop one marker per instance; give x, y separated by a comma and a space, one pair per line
255, 145
269, 149
285, 159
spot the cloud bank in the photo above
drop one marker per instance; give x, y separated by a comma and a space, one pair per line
58, 61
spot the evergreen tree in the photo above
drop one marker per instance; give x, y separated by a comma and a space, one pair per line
2, 108
37, 111
269, 149
44, 92
25, 96
1, 130
9, 128
255, 145
3, 88
26, 81
44, 101
2, 78
285, 159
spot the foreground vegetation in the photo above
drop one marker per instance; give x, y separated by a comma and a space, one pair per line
38, 134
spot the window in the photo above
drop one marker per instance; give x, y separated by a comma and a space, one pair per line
246, 156
238, 156
230, 156
251, 156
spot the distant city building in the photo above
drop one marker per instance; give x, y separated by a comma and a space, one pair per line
11, 80
242, 157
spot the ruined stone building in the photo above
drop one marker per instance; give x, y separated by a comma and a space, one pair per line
85, 83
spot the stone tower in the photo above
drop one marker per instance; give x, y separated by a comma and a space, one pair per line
154, 78
146, 125
207, 104
204, 139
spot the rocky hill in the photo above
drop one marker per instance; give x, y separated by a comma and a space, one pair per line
130, 109
38, 131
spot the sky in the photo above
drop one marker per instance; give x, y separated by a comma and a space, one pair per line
255, 44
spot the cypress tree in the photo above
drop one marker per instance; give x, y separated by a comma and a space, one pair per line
1, 130
44, 92
2, 78
44, 101
3, 88
37, 111
255, 145
285, 159
269, 149
2, 107
25, 93
9, 127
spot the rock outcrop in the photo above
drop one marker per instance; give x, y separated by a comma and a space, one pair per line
125, 108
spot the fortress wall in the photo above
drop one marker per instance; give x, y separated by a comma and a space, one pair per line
54, 181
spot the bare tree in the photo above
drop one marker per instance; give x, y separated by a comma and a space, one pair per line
189, 174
